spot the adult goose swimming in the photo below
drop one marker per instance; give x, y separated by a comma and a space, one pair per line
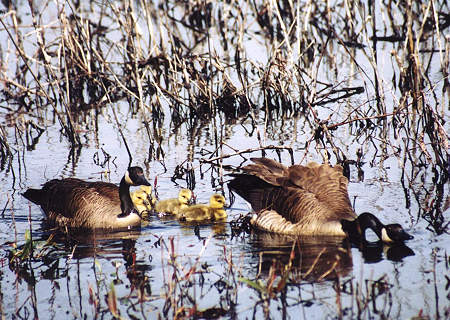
74, 203
306, 200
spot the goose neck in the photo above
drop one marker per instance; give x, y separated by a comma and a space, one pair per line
369, 221
126, 204
356, 229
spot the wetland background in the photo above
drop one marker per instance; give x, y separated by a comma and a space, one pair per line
192, 89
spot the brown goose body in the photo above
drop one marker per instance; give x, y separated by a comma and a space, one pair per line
74, 203
305, 200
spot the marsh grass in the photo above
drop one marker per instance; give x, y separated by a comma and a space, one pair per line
193, 288
193, 58
210, 67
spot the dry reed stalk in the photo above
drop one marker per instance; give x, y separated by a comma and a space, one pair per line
241, 152
68, 128
193, 67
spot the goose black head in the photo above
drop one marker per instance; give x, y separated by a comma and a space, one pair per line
135, 177
394, 233
387, 233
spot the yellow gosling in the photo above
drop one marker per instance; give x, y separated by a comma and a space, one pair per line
173, 206
148, 192
199, 212
140, 201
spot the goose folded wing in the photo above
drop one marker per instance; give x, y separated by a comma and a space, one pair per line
328, 186
267, 170
73, 197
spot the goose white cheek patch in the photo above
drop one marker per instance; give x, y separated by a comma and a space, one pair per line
128, 179
384, 236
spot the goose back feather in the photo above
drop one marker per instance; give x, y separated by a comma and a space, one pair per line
309, 199
306, 200
74, 203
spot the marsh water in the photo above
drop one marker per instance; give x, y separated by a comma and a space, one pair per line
193, 90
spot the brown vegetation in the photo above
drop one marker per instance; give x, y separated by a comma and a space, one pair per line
258, 65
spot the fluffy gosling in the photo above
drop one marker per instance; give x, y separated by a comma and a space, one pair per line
199, 212
140, 201
174, 205
148, 192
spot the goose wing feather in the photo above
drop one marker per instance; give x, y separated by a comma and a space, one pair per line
72, 201
268, 170
328, 186
301, 195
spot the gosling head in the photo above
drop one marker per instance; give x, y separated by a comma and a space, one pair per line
146, 189
135, 177
139, 197
217, 201
184, 196
148, 192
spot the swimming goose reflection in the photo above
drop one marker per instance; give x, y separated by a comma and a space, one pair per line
373, 252
313, 258
316, 258
93, 244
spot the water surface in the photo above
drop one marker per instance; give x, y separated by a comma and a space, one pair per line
176, 270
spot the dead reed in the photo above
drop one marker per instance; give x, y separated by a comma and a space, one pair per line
195, 59
259, 66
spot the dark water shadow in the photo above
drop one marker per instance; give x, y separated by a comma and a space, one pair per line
311, 258
94, 244
316, 258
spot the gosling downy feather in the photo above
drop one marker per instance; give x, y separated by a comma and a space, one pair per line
148, 192
173, 206
306, 200
74, 203
140, 201
199, 212
143, 200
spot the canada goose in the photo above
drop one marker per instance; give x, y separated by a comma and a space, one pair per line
140, 201
74, 203
198, 212
306, 200
173, 206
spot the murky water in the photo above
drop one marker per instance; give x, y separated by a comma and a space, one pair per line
171, 269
